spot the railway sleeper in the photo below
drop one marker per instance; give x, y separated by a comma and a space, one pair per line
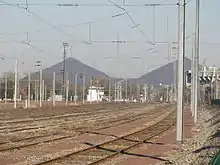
84, 158
33, 144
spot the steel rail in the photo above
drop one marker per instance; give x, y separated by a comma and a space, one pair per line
154, 134
70, 136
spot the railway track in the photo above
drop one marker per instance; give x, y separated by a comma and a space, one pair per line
60, 116
42, 139
54, 122
57, 113
57, 121
50, 124
101, 153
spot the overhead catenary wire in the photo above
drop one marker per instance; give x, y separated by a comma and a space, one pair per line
135, 24
57, 28
19, 5
30, 45
104, 42
61, 30
41, 19
74, 25
90, 4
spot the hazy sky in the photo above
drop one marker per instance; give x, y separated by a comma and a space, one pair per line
70, 24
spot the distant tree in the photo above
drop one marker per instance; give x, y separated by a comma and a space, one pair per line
10, 85
10, 75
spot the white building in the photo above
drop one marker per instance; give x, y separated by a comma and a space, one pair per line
95, 93
56, 97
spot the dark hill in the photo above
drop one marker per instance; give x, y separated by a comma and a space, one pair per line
73, 66
163, 74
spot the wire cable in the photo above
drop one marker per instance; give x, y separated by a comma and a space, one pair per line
89, 4
40, 19
57, 28
107, 42
62, 31
72, 26
30, 45
135, 24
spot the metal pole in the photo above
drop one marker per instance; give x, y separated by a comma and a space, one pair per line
109, 89
212, 91
197, 61
43, 90
97, 84
6, 90
75, 87
119, 96
16, 80
145, 93
115, 92
53, 93
83, 89
216, 87
174, 69
175, 79
18, 85
180, 95
67, 92
89, 90
138, 94
192, 83
64, 67
1, 90
126, 90
29, 89
35, 91
40, 86
120, 92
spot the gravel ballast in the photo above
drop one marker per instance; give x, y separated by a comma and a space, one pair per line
201, 148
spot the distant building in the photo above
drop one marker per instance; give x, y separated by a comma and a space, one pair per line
95, 93
56, 97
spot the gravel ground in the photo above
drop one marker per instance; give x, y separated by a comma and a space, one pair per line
45, 150
200, 149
